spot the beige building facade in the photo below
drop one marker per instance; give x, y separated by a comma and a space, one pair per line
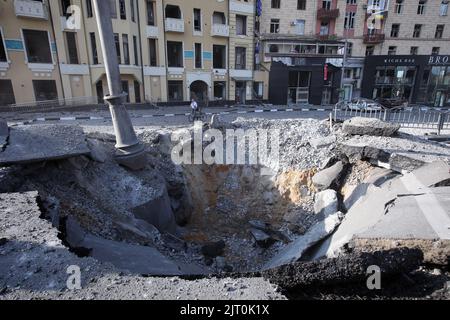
170, 51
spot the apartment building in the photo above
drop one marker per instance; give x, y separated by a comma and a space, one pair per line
318, 51
29, 67
170, 51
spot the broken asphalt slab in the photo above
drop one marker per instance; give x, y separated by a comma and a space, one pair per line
369, 126
134, 258
403, 153
28, 144
34, 265
350, 268
432, 211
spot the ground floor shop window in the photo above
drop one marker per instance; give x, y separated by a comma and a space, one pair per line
6, 93
258, 90
175, 91
394, 82
298, 91
45, 90
219, 90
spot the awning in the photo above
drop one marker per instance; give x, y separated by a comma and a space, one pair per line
242, 78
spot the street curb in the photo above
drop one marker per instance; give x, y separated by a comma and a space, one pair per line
23, 122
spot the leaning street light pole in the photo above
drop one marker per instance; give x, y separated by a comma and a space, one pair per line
129, 152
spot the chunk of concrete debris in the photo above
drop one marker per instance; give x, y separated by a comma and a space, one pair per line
29, 144
369, 126
295, 250
262, 239
427, 222
403, 153
4, 134
322, 142
213, 249
326, 203
326, 178
415, 220
138, 259
98, 152
351, 268
157, 211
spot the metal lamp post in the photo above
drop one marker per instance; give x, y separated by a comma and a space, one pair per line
129, 152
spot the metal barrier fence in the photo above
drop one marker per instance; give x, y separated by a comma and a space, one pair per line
409, 118
50, 105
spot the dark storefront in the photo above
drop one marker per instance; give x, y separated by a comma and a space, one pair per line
418, 79
303, 80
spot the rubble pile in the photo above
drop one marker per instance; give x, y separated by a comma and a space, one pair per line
330, 198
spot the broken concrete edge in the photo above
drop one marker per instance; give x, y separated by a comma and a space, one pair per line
369, 126
350, 268
435, 251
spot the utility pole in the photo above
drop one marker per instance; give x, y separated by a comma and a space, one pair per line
129, 152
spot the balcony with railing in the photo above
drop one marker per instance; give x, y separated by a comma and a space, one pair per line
327, 14
220, 30
374, 38
325, 37
174, 25
31, 9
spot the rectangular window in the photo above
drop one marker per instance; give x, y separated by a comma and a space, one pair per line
443, 11
369, 51
90, 12
175, 54
94, 48
152, 52
349, 22
258, 90
274, 25
135, 50
435, 50
439, 31
392, 51
6, 93
219, 57
45, 90
395, 30
326, 4
123, 10
414, 51
133, 11
241, 25
399, 6
197, 20
301, 4
241, 58
151, 13
117, 42
65, 4
2, 49
351, 1
126, 89
417, 31
72, 51
324, 28
300, 27
219, 18
276, 4
175, 90
421, 7
112, 6
37, 46
126, 49
137, 92
198, 55
219, 90
349, 49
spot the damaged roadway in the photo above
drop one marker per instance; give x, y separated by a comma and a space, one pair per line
106, 219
